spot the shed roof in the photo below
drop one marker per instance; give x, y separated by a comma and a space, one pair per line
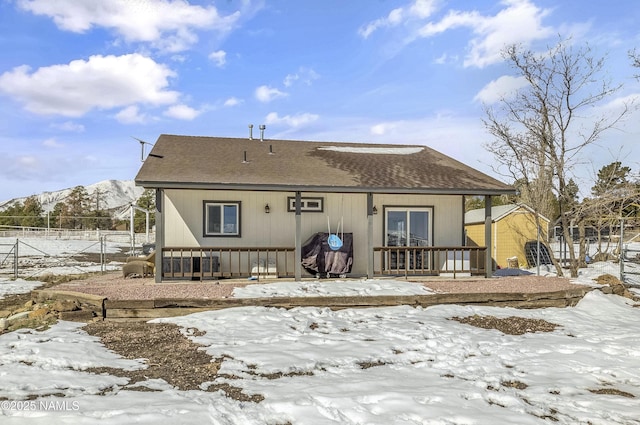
241, 163
497, 213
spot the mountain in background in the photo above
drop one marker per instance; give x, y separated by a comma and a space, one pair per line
111, 195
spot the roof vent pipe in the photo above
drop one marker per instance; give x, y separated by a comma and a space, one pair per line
250, 131
244, 160
262, 127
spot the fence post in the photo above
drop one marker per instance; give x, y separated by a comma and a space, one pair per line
621, 251
15, 260
102, 254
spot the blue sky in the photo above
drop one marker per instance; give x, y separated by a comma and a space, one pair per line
79, 80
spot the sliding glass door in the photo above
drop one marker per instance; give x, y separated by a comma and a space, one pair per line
410, 226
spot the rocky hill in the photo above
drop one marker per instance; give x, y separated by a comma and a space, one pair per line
112, 195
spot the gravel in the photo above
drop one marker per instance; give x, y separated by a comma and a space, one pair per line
114, 287
507, 284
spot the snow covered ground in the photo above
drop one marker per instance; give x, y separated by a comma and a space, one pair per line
17, 286
425, 369
319, 288
395, 365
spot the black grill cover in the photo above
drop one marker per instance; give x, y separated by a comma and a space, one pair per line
319, 259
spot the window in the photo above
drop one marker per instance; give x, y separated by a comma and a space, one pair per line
306, 204
221, 218
408, 226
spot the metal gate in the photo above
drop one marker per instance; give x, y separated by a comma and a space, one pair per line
630, 266
629, 259
9, 257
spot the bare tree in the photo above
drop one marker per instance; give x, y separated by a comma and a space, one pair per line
616, 198
635, 60
540, 134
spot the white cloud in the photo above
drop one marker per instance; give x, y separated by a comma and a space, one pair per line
52, 143
232, 101
441, 60
390, 20
381, 129
131, 115
291, 121
266, 94
420, 9
69, 126
166, 24
101, 82
182, 112
219, 57
503, 87
520, 22
423, 8
304, 75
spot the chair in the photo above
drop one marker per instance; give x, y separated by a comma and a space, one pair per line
140, 266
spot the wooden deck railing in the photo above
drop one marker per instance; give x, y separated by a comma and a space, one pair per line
429, 260
195, 263
208, 263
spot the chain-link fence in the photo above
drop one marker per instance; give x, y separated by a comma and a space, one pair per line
30, 253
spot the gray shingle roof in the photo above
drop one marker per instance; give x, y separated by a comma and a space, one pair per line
218, 162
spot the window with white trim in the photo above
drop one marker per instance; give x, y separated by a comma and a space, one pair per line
306, 204
221, 218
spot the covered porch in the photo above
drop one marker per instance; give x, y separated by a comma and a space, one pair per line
257, 261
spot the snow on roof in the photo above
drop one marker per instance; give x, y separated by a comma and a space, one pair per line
375, 151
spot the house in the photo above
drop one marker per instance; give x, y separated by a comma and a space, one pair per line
244, 207
512, 226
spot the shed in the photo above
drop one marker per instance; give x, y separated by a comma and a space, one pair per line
512, 226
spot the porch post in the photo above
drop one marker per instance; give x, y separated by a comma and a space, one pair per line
488, 264
159, 234
298, 250
370, 256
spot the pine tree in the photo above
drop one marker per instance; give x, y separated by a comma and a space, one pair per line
32, 213
77, 207
146, 201
610, 178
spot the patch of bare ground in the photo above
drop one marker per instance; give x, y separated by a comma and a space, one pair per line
512, 325
169, 355
612, 391
367, 365
607, 279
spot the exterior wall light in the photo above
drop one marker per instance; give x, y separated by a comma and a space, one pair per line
267, 210
375, 210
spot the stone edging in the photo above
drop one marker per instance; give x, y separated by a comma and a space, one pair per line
104, 308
